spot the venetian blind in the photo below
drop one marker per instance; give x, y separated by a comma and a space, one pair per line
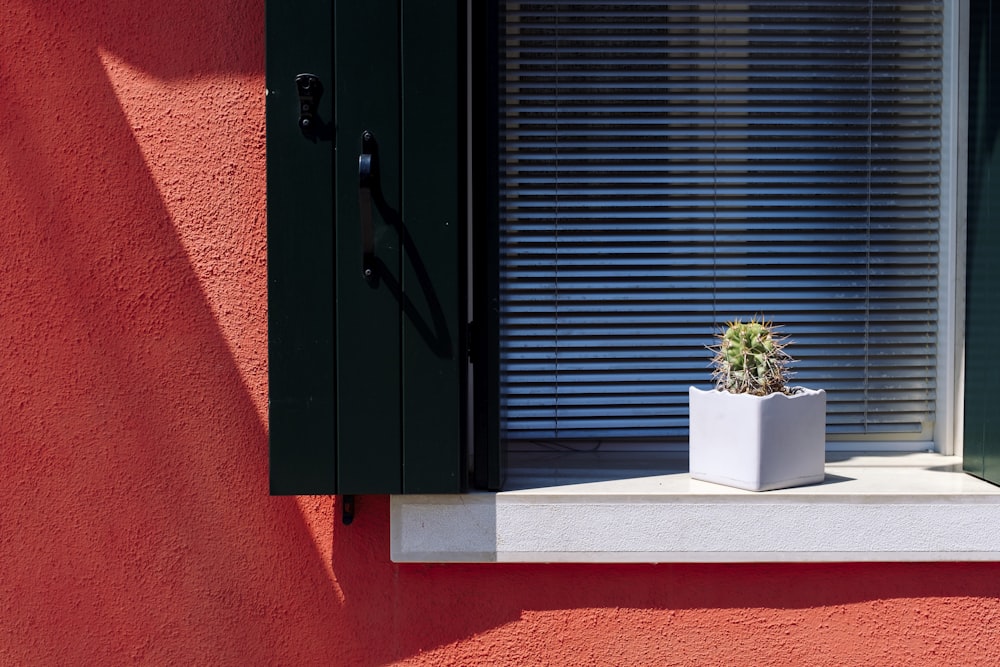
668, 166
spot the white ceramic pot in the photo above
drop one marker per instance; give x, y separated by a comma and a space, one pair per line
758, 443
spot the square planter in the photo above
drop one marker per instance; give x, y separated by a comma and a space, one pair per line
758, 443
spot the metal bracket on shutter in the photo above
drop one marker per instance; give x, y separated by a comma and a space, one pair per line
347, 509
310, 90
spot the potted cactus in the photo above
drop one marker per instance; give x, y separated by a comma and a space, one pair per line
753, 431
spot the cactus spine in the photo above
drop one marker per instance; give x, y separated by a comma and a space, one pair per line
750, 358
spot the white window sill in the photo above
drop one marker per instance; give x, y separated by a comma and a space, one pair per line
872, 507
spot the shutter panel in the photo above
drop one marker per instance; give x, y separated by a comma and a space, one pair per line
666, 167
369, 403
982, 421
385, 350
433, 266
301, 422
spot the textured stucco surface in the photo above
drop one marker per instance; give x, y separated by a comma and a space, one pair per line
135, 526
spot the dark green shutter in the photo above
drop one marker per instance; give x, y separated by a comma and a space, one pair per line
378, 361
982, 419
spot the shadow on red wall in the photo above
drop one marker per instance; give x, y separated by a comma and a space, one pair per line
136, 525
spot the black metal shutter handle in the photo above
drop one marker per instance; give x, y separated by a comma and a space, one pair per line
367, 180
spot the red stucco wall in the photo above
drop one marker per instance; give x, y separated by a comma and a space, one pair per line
135, 525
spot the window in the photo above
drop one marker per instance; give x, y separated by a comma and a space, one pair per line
386, 412
878, 266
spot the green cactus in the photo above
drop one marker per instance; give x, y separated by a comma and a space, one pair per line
750, 358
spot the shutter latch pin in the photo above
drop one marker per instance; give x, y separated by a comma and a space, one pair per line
347, 509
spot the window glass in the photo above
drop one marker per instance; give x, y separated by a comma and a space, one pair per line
666, 167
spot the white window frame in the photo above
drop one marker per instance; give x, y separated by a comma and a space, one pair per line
884, 507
